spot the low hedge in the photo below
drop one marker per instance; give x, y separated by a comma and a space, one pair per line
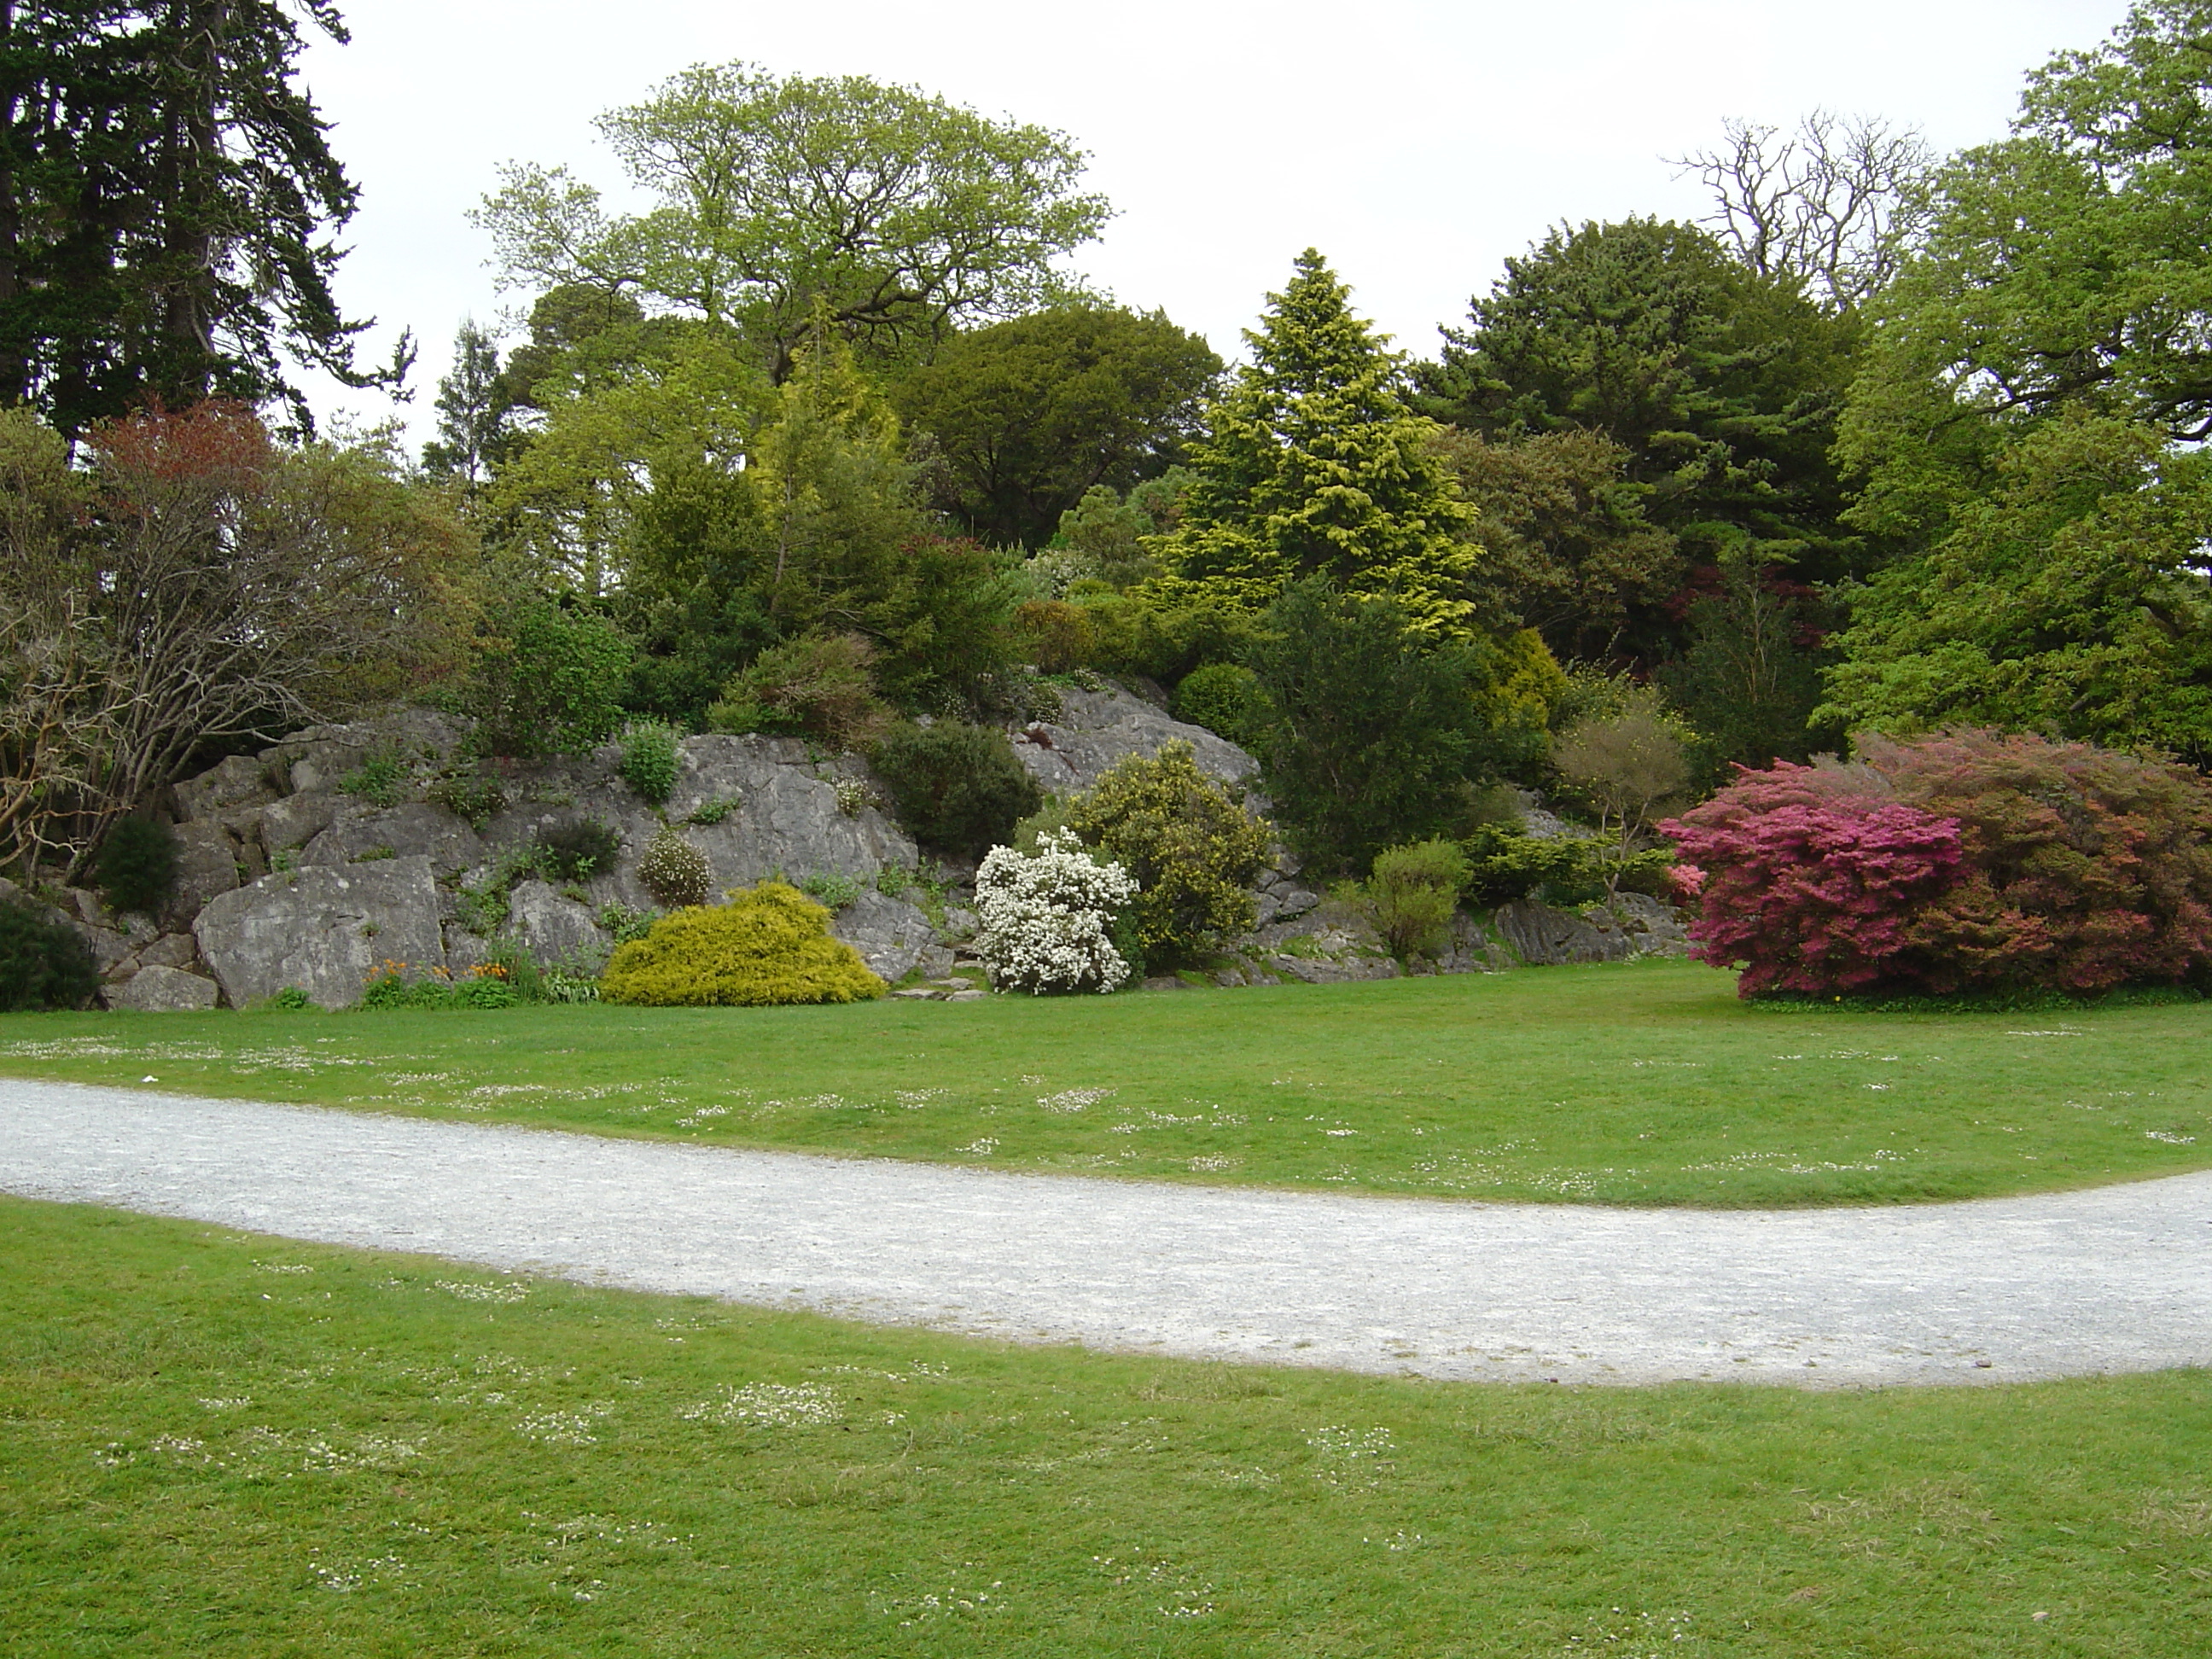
769, 945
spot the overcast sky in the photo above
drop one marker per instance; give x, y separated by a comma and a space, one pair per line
1416, 144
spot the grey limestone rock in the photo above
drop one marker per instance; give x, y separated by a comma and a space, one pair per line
464, 949
207, 864
323, 929
892, 935
1284, 902
294, 821
1654, 928
319, 757
159, 990
416, 830
1334, 970
553, 928
1542, 936
234, 783
170, 950
1097, 728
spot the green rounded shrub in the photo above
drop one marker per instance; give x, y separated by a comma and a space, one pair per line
768, 945
1187, 840
648, 760
957, 787
44, 961
1413, 894
136, 866
1225, 699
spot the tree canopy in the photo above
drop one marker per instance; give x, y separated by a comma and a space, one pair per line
903, 215
1027, 415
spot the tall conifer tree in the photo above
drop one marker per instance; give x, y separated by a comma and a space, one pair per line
1314, 464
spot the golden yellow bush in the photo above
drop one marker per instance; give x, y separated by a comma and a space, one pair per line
770, 944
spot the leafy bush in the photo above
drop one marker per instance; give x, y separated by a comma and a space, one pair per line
1224, 698
675, 872
1188, 841
1412, 894
1056, 636
577, 850
1047, 918
472, 792
622, 924
768, 945
44, 961
834, 890
136, 866
648, 759
820, 686
957, 787
1967, 862
1137, 634
1506, 863
551, 681
382, 779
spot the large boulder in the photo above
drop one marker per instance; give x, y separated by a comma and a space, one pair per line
237, 782
553, 928
1542, 936
318, 757
162, 991
289, 824
323, 929
207, 865
892, 935
1096, 729
416, 830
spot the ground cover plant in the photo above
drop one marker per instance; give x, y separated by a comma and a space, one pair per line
223, 1443
1643, 1083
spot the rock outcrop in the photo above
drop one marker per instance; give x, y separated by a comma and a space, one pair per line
893, 937
1097, 728
158, 990
323, 929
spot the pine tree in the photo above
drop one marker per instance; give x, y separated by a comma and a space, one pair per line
1314, 464
473, 410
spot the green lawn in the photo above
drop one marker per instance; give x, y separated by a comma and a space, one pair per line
216, 1443
1648, 1083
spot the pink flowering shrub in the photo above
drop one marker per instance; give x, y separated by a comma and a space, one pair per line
1966, 861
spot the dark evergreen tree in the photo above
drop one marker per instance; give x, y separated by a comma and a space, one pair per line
167, 197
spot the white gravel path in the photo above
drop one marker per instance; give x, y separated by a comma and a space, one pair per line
2118, 1279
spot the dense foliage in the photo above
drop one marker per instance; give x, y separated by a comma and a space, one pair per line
768, 945
1191, 844
136, 868
958, 787
1413, 892
44, 961
1967, 862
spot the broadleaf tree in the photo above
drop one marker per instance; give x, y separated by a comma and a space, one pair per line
904, 214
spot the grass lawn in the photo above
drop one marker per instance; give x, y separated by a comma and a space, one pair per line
1644, 1083
217, 1443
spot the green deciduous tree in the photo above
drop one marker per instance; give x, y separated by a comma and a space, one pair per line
2072, 600
903, 215
1312, 464
1029, 414
475, 412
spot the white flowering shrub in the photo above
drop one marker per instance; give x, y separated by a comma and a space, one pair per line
1044, 918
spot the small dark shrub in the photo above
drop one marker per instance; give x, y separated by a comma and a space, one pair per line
136, 866
44, 963
648, 760
1225, 699
957, 787
577, 850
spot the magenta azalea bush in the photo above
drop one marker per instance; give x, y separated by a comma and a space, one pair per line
1963, 862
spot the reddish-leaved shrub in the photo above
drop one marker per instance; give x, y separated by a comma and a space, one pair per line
1966, 861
